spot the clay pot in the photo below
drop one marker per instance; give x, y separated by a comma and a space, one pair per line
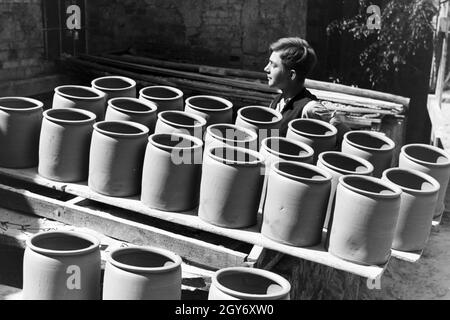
165, 97
20, 124
115, 86
339, 164
262, 120
223, 134
213, 109
432, 161
142, 273
116, 157
80, 97
171, 174
419, 197
64, 144
61, 265
132, 109
296, 203
372, 146
180, 122
240, 283
230, 187
318, 134
364, 219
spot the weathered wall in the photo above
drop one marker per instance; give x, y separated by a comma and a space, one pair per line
21, 40
221, 32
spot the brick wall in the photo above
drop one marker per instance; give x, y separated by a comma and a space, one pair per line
221, 32
21, 40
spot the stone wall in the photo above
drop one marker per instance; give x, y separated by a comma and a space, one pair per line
233, 33
21, 40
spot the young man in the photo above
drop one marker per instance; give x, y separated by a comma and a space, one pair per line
290, 62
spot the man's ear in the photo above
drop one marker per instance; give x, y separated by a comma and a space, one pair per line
292, 74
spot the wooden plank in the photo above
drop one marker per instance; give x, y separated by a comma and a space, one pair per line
251, 235
412, 256
194, 250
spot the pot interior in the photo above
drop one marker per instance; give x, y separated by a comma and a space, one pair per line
181, 119
423, 153
368, 186
232, 154
61, 242
131, 105
228, 133
173, 141
300, 171
312, 127
17, 104
207, 103
68, 115
248, 283
368, 140
142, 258
344, 163
79, 92
112, 83
409, 180
259, 114
285, 147
117, 127
159, 92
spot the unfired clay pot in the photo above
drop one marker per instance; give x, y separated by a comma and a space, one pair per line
364, 219
20, 125
132, 109
213, 109
339, 164
263, 120
115, 86
223, 134
240, 283
230, 187
165, 97
296, 203
142, 273
171, 174
116, 157
432, 161
180, 122
81, 97
64, 144
318, 134
61, 265
419, 197
375, 147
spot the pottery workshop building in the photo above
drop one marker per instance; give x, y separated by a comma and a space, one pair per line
114, 123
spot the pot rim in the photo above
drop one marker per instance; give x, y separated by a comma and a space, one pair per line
228, 104
257, 155
302, 145
198, 143
436, 185
76, 234
326, 175
282, 282
38, 104
100, 94
178, 92
126, 79
153, 107
364, 162
136, 125
250, 134
274, 112
372, 134
397, 191
403, 150
321, 122
91, 115
201, 121
127, 267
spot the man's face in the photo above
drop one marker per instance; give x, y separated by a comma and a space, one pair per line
277, 75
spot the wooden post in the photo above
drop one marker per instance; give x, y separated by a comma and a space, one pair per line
443, 27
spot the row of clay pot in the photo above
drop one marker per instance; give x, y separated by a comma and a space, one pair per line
66, 265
